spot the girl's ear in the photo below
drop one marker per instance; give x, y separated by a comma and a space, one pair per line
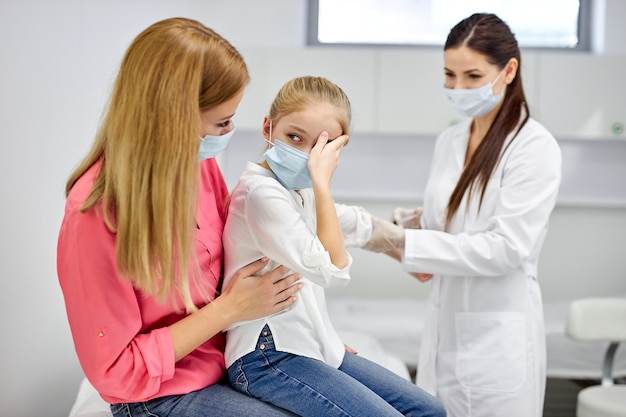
266, 128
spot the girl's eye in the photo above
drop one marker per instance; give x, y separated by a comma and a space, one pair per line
294, 137
475, 76
224, 124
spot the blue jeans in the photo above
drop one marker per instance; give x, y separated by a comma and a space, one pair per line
309, 387
218, 400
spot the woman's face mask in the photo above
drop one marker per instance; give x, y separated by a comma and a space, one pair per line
474, 102
211, 146
289, 164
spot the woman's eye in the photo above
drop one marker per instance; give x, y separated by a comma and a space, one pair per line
224, 124
294, 137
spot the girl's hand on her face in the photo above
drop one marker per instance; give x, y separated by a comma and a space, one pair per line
254, 296
324, 157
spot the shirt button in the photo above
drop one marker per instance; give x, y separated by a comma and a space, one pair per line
262, 347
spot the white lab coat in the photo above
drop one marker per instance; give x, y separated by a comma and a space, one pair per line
483, 348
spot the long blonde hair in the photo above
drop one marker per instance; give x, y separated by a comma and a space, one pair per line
297, 94
148, 143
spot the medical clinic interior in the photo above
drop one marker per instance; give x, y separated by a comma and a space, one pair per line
58, 63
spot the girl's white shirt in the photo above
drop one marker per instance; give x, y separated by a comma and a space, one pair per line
265, 219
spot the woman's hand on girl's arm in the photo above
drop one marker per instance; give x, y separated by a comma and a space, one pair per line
252, 296
247, 297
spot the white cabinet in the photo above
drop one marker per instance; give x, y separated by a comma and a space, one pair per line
581, 95
575, 95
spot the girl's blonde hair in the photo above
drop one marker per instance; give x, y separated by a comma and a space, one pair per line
148, 142
301, 92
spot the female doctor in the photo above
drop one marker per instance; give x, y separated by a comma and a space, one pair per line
493, 184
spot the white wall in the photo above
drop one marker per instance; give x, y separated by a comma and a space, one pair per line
57, 60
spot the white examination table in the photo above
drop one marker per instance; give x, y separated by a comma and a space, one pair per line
397, 324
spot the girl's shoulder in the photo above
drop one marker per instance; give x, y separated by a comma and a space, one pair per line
258, 186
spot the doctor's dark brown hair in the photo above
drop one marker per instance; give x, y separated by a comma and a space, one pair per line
148, 143
488, 35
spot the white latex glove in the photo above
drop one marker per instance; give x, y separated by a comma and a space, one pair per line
407, 218
386, 236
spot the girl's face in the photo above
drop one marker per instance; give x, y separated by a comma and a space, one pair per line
465, 68
218, 120
301, 129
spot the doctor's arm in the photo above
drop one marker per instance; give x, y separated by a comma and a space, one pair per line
519, 216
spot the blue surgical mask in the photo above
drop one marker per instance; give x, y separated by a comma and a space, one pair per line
474, 102
211, 146
289, 164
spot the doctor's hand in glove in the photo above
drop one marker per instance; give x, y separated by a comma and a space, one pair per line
407, 218
410, 219
386, 236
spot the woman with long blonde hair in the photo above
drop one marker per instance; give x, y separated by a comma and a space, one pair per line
140, 247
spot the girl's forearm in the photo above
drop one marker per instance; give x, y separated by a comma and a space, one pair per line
328, 227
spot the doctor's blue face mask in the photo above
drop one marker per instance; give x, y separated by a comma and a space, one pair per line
474, 102
211, 146
289, 164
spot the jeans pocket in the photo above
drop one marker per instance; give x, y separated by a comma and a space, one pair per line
120, 410
491, 350
237, 377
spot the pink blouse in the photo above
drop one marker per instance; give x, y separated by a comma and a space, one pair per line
120, 335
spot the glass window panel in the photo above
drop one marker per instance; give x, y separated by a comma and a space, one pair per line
536, 23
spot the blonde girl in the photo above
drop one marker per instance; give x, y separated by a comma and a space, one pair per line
282, 208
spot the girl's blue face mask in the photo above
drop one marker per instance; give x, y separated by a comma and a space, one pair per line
211, 146
289, 164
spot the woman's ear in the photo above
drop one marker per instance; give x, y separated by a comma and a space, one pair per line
510, 71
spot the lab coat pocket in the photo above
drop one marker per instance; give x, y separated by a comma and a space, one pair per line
491, 350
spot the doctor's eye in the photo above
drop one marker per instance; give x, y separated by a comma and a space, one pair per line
224, 124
